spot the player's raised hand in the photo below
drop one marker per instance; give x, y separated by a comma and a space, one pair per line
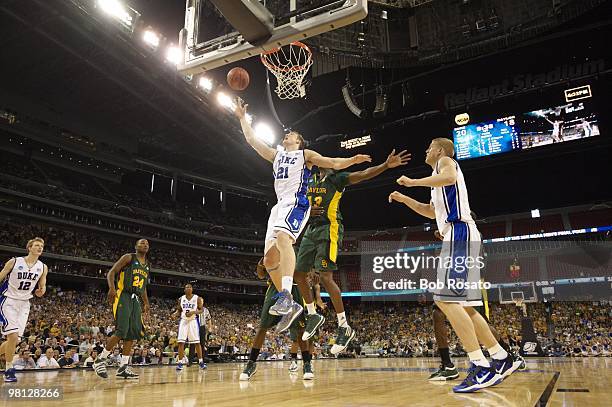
395, 160
40, 291
396, 196
405, 181
361, 158
241, 108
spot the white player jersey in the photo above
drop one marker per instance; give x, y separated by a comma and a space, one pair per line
22, 279
451, 202
291, 176
189, 305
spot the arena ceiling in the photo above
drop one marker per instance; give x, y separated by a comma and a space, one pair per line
62, 65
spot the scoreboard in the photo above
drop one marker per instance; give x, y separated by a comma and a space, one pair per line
575, 120
488, 138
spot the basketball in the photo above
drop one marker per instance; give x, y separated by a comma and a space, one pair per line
238, 78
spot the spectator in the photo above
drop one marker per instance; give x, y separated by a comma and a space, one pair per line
67, 362
47, 361
91, 359
23, 360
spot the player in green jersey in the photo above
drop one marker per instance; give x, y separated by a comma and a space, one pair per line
323, 237
127, 293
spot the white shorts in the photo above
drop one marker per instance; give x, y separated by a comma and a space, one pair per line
189, 331
289, 216
461, 242
13, 315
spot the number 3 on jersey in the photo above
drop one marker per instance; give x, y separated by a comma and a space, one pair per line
282, 173
138, 282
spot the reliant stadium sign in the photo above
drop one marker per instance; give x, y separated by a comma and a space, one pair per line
522, 82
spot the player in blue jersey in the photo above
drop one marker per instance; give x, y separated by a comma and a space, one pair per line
292, 167
19, 277
450, 208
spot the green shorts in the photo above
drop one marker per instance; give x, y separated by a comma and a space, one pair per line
267, 321
128, 317
319, 248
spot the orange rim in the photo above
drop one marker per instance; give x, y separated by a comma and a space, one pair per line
274, 67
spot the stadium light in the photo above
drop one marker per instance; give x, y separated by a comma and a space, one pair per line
535, 213
206, 83
117, 10
151, 38
265, 133
225, 101
174, 55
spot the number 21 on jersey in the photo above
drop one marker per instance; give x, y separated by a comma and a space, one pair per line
282, 173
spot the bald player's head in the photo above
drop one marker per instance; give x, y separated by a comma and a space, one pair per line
438, 148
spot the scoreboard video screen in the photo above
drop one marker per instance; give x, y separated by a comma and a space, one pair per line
547, 126
488, 138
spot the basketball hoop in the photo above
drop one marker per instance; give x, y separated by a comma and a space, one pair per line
289, 65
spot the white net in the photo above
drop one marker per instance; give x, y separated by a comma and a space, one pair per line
289, 65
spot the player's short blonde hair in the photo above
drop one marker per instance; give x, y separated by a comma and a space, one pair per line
36, 239
446, 145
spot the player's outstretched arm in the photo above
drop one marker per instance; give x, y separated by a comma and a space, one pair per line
422, 209
393, 160
262, 148
336, 163
110, 276
447, 176
8, 266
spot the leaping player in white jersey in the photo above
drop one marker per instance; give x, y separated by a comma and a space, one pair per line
450, 208
15, 293
288, 218
190, 306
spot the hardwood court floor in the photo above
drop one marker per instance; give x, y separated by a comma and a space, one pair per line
361, 382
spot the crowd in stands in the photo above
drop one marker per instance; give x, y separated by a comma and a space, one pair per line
76, 188
69, 328
98, 246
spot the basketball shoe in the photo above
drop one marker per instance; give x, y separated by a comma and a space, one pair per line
504, 368
308, 373
249, 371
345, 336
444, 373
283, 305
313, 322
478, 377
126, 372
287, 319
293, 368
9, 375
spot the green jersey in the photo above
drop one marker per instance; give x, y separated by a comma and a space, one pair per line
133, 279
326, 193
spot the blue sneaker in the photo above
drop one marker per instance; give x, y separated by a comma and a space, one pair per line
179, 366
478, 377
287, 320
9, 375
283, 305
203, 366
506, 367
